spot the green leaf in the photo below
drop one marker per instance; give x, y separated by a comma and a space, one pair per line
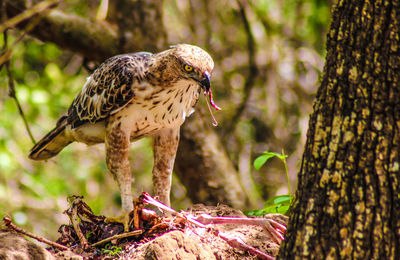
250, 212
255, 212
273, 154
283, 199
280, 199
283, 209
277, 204
259, 161
259, 212
270, 201
271, 209
262, 159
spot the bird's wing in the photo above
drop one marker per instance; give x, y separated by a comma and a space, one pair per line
108, 89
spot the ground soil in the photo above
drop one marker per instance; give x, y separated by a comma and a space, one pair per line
163, 238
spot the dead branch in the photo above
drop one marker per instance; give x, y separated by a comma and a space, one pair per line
123, 235
12, 92
96, 40
38, 8
72, 213
8, 222
253, 70
83, 209
7, 51
42, 7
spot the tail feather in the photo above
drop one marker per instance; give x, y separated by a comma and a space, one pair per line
52, 143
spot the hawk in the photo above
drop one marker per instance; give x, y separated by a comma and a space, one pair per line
128, 97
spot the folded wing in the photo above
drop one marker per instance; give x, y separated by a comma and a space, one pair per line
108, 89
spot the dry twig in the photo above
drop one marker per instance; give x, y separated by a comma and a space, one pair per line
123, 235
253, 70
6, 51
12, 94
72, 213
38, 8
8, 222
83, 209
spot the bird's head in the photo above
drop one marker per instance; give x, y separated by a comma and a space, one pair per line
188, 62
192, 63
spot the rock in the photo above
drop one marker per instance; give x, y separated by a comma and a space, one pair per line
68, 255
174, 245
14, 246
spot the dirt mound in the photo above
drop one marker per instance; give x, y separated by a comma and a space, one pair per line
200, 232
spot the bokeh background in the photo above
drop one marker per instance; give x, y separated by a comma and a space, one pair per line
268, 58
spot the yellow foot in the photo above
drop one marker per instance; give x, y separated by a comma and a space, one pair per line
123, 219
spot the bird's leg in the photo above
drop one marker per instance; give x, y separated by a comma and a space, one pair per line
117, 157
165, 147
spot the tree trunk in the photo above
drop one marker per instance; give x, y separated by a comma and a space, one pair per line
140, 24
204, 167
348, 199
140, 28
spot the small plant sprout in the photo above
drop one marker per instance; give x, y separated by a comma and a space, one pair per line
276, 204
111, 250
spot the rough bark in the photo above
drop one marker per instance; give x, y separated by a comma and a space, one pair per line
348, 199
140, 24
139, 27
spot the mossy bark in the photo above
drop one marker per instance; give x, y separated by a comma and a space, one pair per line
348, 199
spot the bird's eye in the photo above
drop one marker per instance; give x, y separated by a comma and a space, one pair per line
188, 68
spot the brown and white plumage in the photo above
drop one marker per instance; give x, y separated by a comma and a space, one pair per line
128, 97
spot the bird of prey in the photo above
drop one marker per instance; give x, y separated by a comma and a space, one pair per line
128, 97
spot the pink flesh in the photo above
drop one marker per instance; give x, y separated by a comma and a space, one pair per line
209, 93
212, 101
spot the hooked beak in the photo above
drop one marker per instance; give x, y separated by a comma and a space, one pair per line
205, 84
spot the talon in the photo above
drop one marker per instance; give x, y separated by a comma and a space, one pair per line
123, 219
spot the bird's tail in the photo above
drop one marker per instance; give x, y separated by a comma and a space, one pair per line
52, 143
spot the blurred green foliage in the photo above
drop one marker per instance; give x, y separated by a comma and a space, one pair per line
289, 38
307, 18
